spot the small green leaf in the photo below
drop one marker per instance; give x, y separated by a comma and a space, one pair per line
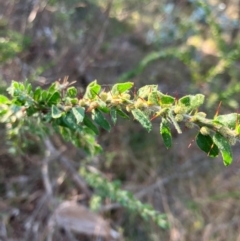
4, 100
102, 106
185, 101
52, 89
229, 120
92, 90
165, 100
101, 120
113, 113
56, 113
54, 99
165, 131
224, 148
44, 95
121, 88
144, 91
37, 94
72, 92
142, 118
78, 113
206, 144
153, 98
122, 114
87, 121
191, 101
31, 110
69, 121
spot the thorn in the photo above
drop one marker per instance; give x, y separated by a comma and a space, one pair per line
217, 112
190, 144
176, 97
154, 117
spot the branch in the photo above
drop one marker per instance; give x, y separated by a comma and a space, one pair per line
76, 119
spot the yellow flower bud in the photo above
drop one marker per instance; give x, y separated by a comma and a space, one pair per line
103, 96
189, 124
179, 117
205, 131
180, 109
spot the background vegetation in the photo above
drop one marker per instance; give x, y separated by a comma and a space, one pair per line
186, 47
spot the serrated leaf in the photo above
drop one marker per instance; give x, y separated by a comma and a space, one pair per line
99, 118
87, 121
78, 113
54, 99
206, 144
122, 114
229, 120
224, 148
92, 90
55, 112
144, 91
72, 92
4, 100
142, 119
113, 113
121, 88
165, 131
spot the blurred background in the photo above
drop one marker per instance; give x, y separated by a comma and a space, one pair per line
185, 47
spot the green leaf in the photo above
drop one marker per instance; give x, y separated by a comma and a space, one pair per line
185, 101
153, 98
78, 113
122, 114
92, 90
144, 91
206, 144
165, 100
54, 99
99, 118
121, 88
31, 110
165, 131
56, 113
142, 118
28, 88
113, 113
4, 100
103, 106
37, 94
69, 121
53, 88
44, 95
72, 92
229, 120
224, 148
197, 100
191, 101
87, 121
